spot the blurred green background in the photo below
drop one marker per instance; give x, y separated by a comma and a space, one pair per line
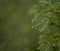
16, 32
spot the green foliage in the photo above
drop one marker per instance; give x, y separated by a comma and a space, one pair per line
47, 21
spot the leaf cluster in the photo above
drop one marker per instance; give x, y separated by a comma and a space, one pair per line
47, 21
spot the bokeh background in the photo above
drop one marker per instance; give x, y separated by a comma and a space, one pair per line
16, 32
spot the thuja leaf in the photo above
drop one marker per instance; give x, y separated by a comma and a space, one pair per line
47, 21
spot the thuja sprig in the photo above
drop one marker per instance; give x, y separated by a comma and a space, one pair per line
49, 3
47, 23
